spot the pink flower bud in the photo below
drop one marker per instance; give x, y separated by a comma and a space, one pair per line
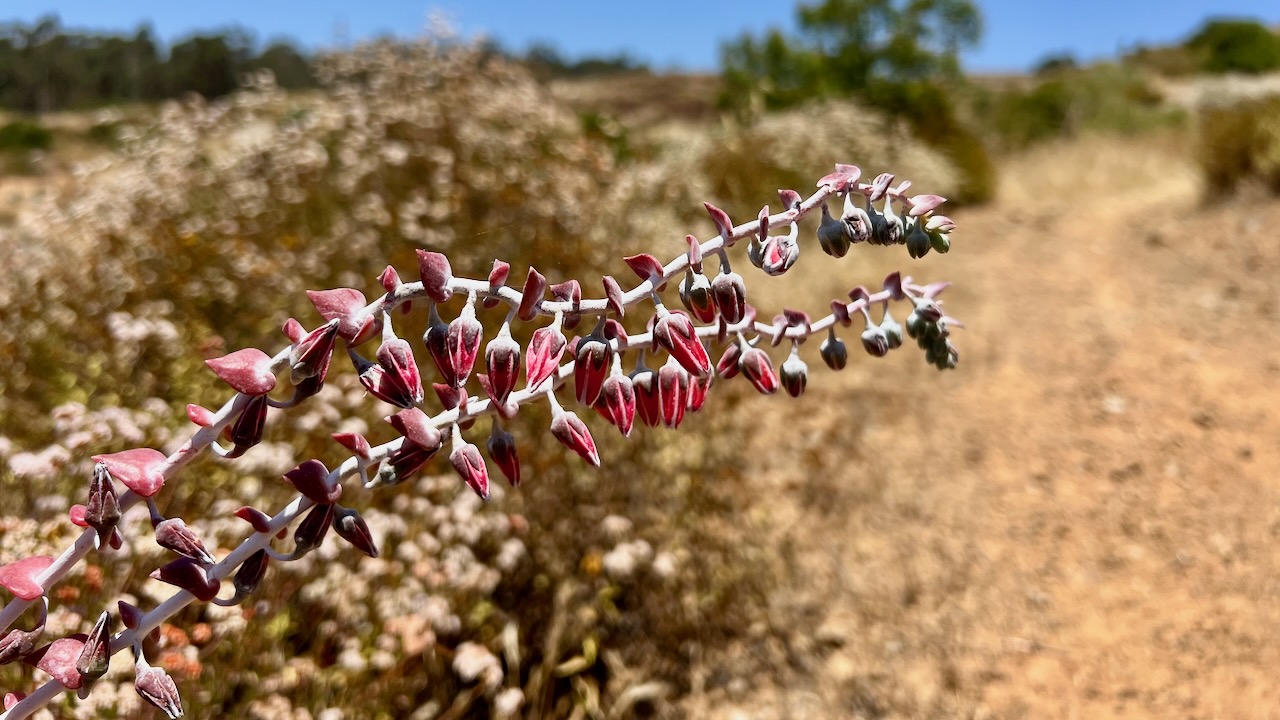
727, 367
591, 368
188, 575
173, 534
696, 295
569, 429
698, 389
156, 687
352, 528
247, 371
374, 379
502, 448
469, 464
673, 393
780, 252
531, 296
434, 269
644, 382
617, 402
730, 295
250, 574
795, 374
757, 368
545, 348
346, 305
463, 343
19, 577
396, 357
310, 354
436, 338
389, 279
140, 469
502, 360
674, 331
416, 428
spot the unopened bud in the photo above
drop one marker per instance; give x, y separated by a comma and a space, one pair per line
502, 448
156, 687
463, 342
251, 572
96, 655
502, 360
833, 351
545, 350
834, 236
569, 429
875, 341
794, 374
673, 393
696, 295
756, 367
730, 294
674, 331
352, 528
173, 534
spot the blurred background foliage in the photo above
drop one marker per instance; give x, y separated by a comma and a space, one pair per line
195, 192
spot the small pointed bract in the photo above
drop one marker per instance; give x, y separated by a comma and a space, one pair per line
545, 349
613, 294
531, 296
346, 305
155, 686
352, 528
434, 269
173, 534
311, 478
502, 361
674, 331
502, 448
190, 576
59, 659
247, 371
260, 521
416, 427
250, 574
569, 429
310, 354
102, 511
462, 342
96, 655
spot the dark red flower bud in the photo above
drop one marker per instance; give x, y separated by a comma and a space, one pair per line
644, 382
502, 448
470, 465
436, 338
260, 521
190, 576
463, 343
173, 534
696, 295
96, 655
573, 434
591, 368
502, 361
155, 686
617, 401
250, 426
531, 296
310, 354
673, 393
545, 349
730, 295
312, 529
756, 367
795, 374
374, 379
727, 367
352, 528
674, 331
434, 269
311, 478
833, 351
698, 389
250, 574
102, 512
396, 357
247, 371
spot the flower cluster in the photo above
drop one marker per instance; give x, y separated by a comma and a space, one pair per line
657, 370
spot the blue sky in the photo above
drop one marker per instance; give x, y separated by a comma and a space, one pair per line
664, 33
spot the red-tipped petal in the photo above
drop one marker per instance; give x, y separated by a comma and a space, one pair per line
248, 371
260, 521
190, 576
534, 286
613, 294
139, 469
311, 478
355, 442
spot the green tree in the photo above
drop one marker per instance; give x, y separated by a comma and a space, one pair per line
1236, 46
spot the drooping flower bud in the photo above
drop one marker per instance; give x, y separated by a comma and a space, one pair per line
833, 351
795, 374
673, 393
756, 367
469, 464
96, 655
352, 528
569, 429
374, 379
502, 448
696, 295
698, 389
857, 220
309, 357
780, 252
892, 330
102, 512
436, 338
19, 643
591, 366
617, 400
463, 342
545, 349
311, 531
834, 236
674, 331
190, 576
730, 294
396, 357
918, 243
155, 686
250, 574
250, 426
173, 534
502, 360
644, 383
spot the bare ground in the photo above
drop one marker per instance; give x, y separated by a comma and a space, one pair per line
1076, 523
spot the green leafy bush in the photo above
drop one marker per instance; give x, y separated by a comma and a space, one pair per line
23, 136
1245, 46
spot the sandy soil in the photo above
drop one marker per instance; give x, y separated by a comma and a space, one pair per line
1078, 522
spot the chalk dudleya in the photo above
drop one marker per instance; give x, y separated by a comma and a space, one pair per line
657, 376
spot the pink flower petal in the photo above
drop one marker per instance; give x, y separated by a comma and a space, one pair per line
139, 469
59, 659
20, 576
247, 371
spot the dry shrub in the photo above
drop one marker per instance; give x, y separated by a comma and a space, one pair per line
1240, 145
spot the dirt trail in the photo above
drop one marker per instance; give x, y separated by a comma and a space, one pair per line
1077, 523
